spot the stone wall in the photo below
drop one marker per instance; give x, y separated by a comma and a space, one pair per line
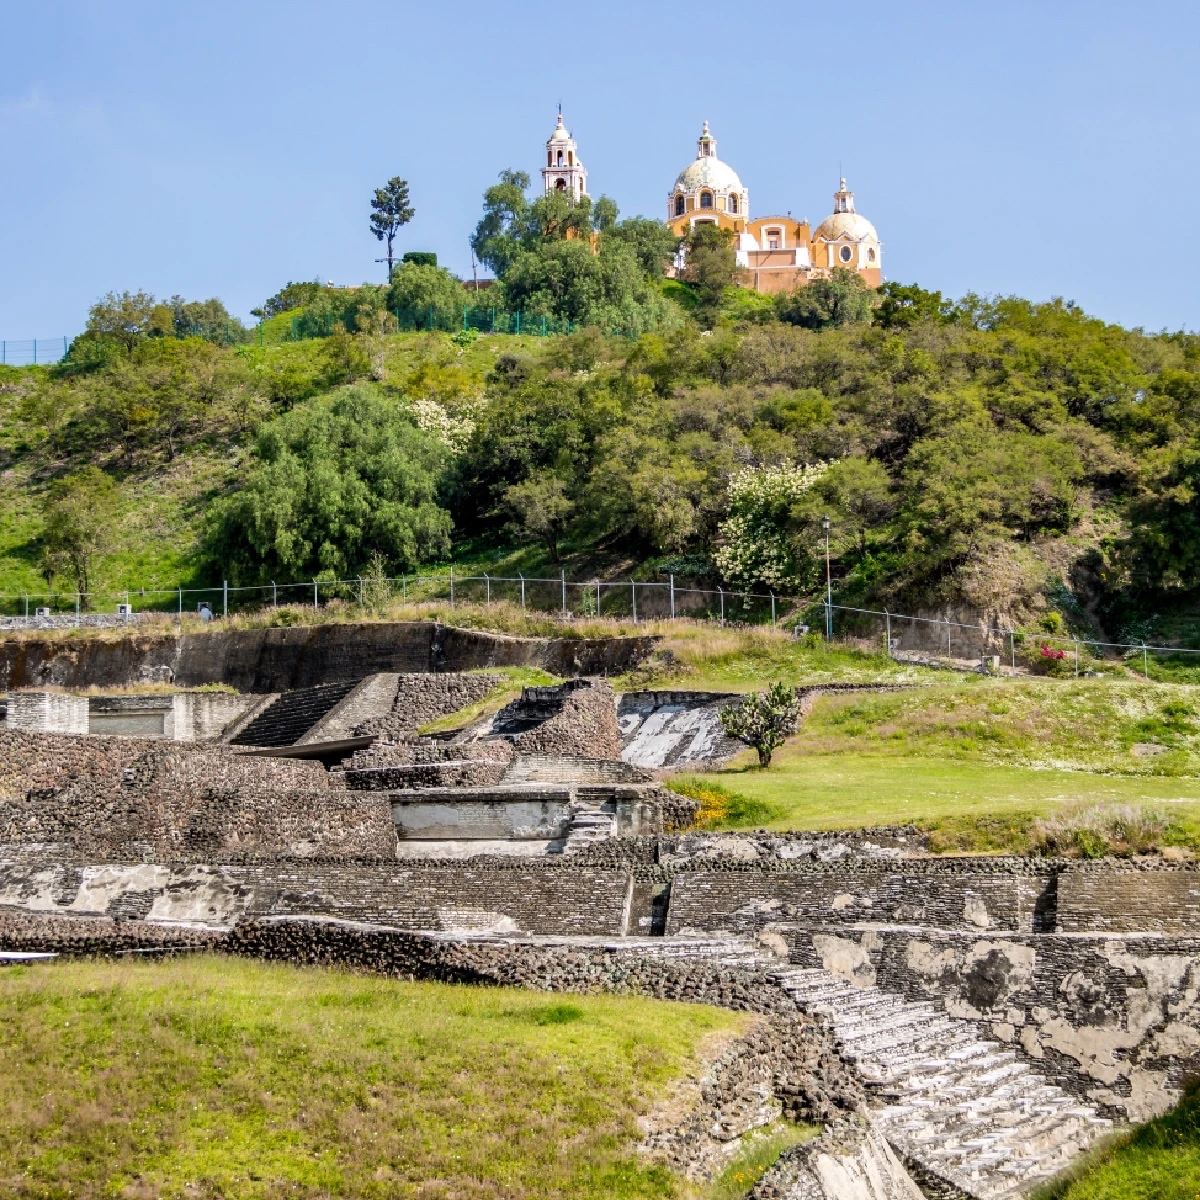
279, 660
100, 799
1114, 1019
577, 718
421, 698
47, 712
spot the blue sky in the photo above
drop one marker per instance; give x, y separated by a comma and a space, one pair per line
222, 149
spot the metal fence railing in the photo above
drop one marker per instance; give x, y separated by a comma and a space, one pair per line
33, 352
636, 600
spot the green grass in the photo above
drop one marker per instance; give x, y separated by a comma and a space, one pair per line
985, 764
212, 1077
752, 1164
1158, 1161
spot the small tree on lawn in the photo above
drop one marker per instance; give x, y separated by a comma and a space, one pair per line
763, 720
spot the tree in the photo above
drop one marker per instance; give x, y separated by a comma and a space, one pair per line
605, 214
653, 243
905, 304
542, 508
842, 299
78, 527
711, 267
498, 237
207, 319
1163, 551
419, 286
329, 485
856, 493
289, 297
389, 211
763, 720
129, 317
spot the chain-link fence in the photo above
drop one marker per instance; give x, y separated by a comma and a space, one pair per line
897, 635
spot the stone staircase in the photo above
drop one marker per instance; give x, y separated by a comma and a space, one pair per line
963, 1108
291, 716
589, 825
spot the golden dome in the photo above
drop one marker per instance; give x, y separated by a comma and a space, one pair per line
845, 222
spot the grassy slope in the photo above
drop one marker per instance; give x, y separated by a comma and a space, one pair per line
162, 504
982, 759
216, 1077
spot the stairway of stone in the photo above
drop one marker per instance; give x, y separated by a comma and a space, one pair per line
963, 1107
589, 825
293, 715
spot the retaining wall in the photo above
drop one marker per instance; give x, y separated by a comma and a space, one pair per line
279, 660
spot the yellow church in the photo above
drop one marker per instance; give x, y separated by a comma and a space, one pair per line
776, 253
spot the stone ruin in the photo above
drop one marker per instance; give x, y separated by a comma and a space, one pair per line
961, 1026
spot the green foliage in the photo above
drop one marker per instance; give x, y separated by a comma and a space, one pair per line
711, 268
423, 258
78, 527
418, 285
842, 299
207, 319
128, 318
763, 721
902, 305
330, 486
289, 297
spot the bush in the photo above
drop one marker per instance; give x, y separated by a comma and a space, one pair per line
763, 721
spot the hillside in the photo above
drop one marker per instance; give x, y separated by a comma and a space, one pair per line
1025, 463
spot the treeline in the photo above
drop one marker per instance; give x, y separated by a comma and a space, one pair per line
979, 451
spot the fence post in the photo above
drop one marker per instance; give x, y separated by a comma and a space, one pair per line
1012, 649
721, 592
543, 327
633, 599
564, 588
1076, 658
224, 597
451, 572
887, 616
403, 590
949, 653
316, 596
274, 595
360, 591
672, 597
522, 591
518, 317
488, 578
181, 604
772, 610
597, 597
77, 597
35, 364
1145, 661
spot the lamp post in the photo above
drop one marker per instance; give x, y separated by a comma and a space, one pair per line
826, 523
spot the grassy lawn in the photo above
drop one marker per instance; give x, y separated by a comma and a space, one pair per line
1158, 1161
212, 1077
984, 763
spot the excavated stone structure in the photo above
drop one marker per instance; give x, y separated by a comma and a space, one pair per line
961, 1026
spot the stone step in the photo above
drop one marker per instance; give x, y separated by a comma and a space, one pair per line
969, 1109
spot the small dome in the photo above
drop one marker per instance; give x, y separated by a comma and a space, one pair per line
845, 224
560, 133
708, 172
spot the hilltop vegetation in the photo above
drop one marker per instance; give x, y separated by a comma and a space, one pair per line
1022, 459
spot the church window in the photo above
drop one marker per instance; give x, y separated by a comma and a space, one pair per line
706, 199
846, 253
549, 158
732, 206
560, 158
871, 255
774, 241
679, 206
561, 185
570, 158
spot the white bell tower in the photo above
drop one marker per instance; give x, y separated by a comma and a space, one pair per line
563, 171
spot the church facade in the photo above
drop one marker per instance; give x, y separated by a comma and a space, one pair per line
775, 253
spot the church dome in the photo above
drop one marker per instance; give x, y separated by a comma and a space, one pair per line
845, 222
848, 224
560, 133
708, 172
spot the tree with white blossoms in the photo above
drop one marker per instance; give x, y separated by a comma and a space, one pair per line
754, 548
454, 432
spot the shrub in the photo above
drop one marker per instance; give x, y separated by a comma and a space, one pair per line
763, 720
